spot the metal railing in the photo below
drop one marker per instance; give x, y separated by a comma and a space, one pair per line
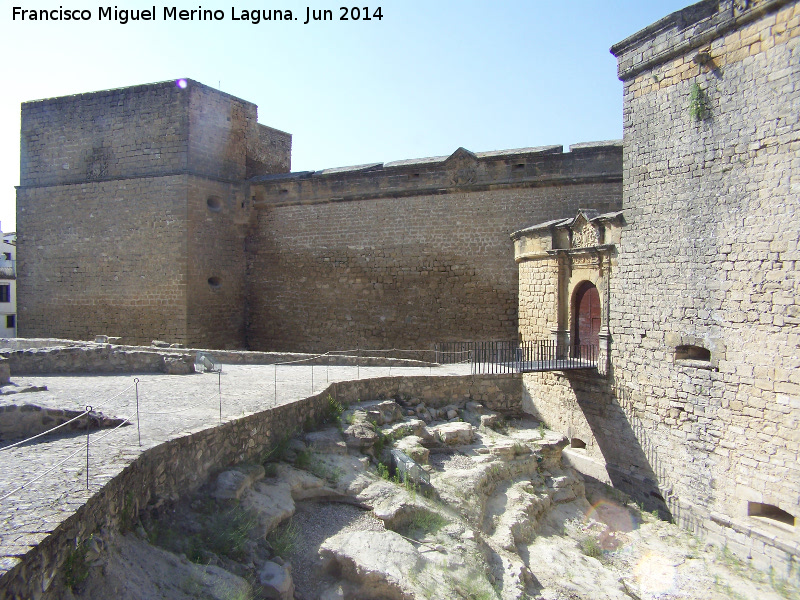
548, 355
503, 356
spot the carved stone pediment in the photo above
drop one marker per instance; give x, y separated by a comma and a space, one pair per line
463, 167
585, 234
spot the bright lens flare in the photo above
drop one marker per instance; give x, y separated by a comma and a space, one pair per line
181, 83
616, 517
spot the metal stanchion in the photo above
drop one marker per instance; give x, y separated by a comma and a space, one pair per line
88, 422
138, 422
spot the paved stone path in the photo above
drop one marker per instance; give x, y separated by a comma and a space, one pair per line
169, 405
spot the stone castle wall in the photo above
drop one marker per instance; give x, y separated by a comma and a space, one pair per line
707, 264
709, 259
116, 232
406, 255
103, 257
193, 232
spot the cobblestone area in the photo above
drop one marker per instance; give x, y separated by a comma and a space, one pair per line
170, 406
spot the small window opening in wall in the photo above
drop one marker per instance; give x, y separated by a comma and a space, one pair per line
577, 443
767, 511
692, 353
415, 176
11, 321
519, 167
214, 204
284, 191
5, 292
214, 282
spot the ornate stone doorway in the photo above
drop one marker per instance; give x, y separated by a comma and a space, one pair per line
586, 317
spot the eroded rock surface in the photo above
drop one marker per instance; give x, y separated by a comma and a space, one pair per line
503, 519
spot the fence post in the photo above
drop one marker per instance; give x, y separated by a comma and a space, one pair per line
275, 372
312, 378
219, 383
138, 422
88, 422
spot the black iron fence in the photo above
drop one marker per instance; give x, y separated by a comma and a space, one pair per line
517, 357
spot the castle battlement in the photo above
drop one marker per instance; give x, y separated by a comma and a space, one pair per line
462, 171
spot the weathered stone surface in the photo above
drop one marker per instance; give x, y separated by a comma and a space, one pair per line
454, 434
276, 581
384, 413
379, 561
360, 436
97, 359
412, 445
271, 503
328, 441
508, 449
231, 484
490, 420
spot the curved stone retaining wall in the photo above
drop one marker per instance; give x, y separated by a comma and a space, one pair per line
181, 465
97, 359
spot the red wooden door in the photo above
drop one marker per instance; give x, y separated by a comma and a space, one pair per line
587, 316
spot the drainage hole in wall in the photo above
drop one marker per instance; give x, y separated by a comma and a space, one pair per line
768, 511
577, 443
692, 353
214, 204
215, 282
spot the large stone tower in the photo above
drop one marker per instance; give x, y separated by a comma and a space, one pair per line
131, 212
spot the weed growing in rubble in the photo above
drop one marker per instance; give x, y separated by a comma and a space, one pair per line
383, 441
277, 452
424, 522
127, 514
226, 533
284, 538
591, 547
303, 459
76, 570
334, 410
542, 428
323, 471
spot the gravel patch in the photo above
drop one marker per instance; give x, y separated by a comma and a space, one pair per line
442, 461
316, 522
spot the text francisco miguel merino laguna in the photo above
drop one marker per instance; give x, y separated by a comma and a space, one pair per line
173, 13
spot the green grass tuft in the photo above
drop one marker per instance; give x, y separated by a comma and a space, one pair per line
283, 539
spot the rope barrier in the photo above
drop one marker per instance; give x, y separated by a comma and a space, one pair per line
58, 464
217, 392
86, 412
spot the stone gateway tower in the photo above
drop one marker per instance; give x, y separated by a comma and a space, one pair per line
698, 410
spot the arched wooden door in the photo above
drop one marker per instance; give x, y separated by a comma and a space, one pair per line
586, 317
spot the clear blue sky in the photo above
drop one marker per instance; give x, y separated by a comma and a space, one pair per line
427, 78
